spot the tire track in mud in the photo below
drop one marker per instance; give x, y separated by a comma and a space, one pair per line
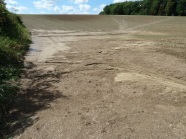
123, 24
149, 24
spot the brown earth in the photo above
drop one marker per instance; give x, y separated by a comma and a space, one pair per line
81, 82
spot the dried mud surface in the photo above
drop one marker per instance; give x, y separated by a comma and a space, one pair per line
120, 84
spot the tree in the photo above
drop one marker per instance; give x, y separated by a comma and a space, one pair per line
119, 7
170, 7
135, 7
155, 7
2, 3
181, 8
116, 9
147, 4
162, 7
107, 10
127, 8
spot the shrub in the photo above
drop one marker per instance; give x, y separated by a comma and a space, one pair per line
14, 42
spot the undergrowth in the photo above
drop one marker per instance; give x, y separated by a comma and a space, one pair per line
14, 42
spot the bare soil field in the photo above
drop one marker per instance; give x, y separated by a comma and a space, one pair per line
103, 77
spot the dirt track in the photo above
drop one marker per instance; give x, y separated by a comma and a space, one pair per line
119, 84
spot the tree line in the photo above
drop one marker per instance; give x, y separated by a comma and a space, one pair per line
147, 7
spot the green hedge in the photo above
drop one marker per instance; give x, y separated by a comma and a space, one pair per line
14, 42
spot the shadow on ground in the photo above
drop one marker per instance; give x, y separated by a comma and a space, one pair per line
37, 92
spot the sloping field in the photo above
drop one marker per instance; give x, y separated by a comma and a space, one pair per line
86, 22
103, 77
